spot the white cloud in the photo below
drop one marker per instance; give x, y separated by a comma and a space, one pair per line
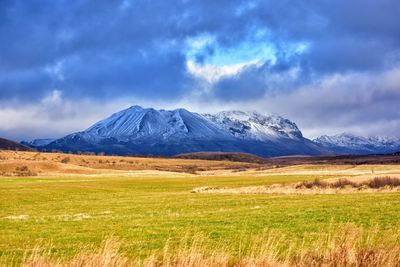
355, 102
53, 116
212, 73
54, 98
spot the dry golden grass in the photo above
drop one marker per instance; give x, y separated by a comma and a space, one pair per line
46, 164
61, 164
348, 246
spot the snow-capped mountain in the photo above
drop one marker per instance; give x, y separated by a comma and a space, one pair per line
138, 130
346, 143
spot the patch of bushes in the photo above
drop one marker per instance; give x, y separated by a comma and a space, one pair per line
192, 169
239, 170
66, 160
316, 183
377, 182
24, 171
341, 183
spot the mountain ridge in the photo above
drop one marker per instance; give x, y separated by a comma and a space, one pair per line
347, 143
148, 131
138, 130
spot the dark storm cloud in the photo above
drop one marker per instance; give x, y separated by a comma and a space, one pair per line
365, 31
132, 47
96, 46
129, 45
341, 37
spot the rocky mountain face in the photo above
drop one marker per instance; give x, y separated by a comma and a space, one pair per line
252, 125
147, 131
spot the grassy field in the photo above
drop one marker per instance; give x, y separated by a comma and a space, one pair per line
144, 211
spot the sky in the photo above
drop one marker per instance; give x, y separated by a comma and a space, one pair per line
329, 66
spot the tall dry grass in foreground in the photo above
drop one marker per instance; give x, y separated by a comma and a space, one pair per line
349, 246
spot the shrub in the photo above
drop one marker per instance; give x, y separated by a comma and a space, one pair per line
316, 183
24, 171
66, 160
379, 182
343, 183
239, 170
192, 169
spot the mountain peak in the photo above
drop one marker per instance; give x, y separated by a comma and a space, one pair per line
135, 107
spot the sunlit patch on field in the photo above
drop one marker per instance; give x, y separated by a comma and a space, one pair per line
77, 217
81, 216
17, 217
107, 212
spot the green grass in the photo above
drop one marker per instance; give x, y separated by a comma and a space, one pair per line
146, 212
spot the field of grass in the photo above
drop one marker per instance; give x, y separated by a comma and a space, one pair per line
145, 212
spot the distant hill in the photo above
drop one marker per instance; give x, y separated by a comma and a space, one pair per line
38, 142
393, 158
228, 156
6, 144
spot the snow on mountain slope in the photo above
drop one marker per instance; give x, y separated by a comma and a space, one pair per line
252, 125
197, 125
138, 123
349, 143
133, 122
